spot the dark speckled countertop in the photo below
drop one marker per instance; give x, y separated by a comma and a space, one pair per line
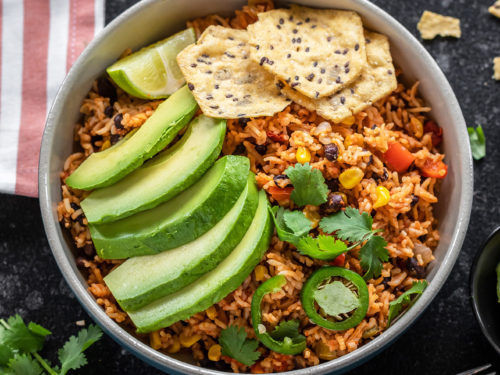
445, 340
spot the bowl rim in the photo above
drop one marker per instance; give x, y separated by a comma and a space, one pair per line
472, 283
164, 362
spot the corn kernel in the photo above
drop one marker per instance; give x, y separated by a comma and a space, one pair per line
418, 128
303, 155
154, 340
188, 341
351, 177
174, 347
323, 351
383, 196
349, 120
211, 312
214, 352
106, 144
354, 139
260, 272
313, 216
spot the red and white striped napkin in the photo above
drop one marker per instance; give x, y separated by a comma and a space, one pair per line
39, 41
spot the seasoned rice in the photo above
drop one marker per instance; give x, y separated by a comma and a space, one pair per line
408, 223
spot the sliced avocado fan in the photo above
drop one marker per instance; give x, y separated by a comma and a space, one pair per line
214, 285
162, 177
142, 280
106, 167
179, 220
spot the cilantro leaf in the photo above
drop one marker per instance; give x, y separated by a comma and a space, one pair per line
308, 185
6, 353
404, 300
19, 337
372, 255
288, 329
71, 354
349, 225
23, 364
38, 329
323, 247
297, 222
477, 142
235, 344
284, 233
335, 299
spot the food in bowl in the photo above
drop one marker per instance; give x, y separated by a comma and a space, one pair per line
351, 194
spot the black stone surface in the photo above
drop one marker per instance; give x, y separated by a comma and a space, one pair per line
445, 340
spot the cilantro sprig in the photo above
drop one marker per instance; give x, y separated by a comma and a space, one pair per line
308, 185
355, 227
405, 300
235, 344
20, 344
477, 142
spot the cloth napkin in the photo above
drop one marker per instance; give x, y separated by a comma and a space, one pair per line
39, 41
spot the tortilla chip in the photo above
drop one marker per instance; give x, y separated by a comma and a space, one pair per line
496, 68
318, 52
377, 80
433, 24
225, 82
495, 9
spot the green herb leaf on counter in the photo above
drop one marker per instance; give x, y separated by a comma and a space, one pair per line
71, 354
308, 183
20, 344
323, 247
235, 344
404, 300
355, 227
477, 142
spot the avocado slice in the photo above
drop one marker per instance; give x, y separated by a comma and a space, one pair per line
106, 167
142, 280
162, 177
179, 220
215, 285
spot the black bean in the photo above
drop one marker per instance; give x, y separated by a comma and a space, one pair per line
105, 88
114, 138
243, 122
108, 111
385, 282
414, 200
80, 262
118, 121
414, 268
334, 203
333, 184
331, 152
261, 149
74, 206
89, 250
96, 138
240, 149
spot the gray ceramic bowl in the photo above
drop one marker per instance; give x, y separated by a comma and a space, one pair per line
151, 20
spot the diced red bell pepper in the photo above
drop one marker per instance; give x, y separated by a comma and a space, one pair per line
434, 169
437, 132
280, 194
339, 261
398, 157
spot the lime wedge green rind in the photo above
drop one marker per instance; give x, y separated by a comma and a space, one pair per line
152, 72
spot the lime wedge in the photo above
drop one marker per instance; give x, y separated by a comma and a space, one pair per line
152, 72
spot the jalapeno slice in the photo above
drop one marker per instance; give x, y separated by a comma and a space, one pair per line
285, 339
314, 288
